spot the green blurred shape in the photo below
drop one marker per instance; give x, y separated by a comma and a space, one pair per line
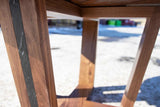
112, 22
118, 23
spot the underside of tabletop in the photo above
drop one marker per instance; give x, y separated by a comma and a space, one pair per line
96, 9
89, 3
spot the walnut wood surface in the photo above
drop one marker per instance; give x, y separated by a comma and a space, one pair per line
143, 55
37, 38
87, 69
78, 98
62, 6
13, 53
94, 104
45, 50
112, 2
126, 102
74, 102
88, 53
71, 11
36, 34
105, 12
75, 99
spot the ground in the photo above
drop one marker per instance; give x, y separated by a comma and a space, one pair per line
116, 51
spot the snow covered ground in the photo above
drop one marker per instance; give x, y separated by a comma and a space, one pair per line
116, 51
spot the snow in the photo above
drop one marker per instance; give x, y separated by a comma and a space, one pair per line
116, 51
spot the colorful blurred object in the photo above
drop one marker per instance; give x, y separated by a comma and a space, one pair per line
118, 22
112, 22
128, 22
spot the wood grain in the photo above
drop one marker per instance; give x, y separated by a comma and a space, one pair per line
23, 51
37, 40
62, 6
126, 102
56, 15
75, 99
143, 55
100, 12
87, 3
88, 53
46, 52
13, 53
105, 12
95, 104
0, 17
73, 103
78, 98
87, 68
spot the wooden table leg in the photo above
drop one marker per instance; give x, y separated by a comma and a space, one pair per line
88, 57
88, 54
144, 52
78, 98
25, 30
87, 67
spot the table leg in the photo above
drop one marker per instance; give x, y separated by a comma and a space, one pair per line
87, 68
144, 52
88, 53
25, 30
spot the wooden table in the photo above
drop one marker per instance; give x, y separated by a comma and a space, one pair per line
25, 30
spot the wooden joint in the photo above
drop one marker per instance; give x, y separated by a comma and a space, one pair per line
63, 7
